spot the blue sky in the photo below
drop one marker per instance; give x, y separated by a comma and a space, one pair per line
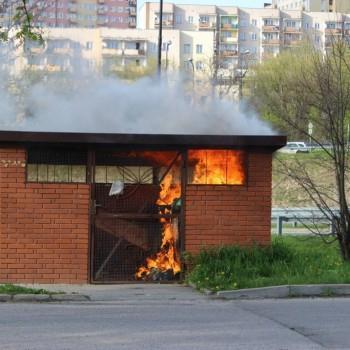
241, 3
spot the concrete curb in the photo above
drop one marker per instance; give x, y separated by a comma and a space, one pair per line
286, 291
42, 298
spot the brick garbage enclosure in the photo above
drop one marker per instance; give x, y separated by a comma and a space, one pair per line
59, 223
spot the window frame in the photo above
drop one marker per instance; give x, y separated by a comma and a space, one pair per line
27, 164
245, 155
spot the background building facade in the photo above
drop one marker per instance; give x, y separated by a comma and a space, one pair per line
242, 33
75, 13
313, 5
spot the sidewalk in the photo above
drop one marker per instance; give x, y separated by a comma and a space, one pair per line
125, 292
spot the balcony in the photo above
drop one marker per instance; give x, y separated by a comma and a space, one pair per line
333, 31
72, 9
229, 26
167, 23
292, 29
207, 25
270, 28
346, 31
73, 21
100, 1
229, 53
134, 52
101, 11
290, 42
271, 41
229, 40
132, 24
102, 22
112, 52
132, 11
132, 3
62, 51
36, 50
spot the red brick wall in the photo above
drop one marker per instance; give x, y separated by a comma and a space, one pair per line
43, 227
218, 215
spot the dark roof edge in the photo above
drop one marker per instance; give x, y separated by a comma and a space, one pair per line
25, 137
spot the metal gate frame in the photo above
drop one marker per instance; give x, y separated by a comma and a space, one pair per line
92, 214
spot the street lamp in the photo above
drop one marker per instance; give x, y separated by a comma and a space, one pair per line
160, 39
191, 62
241, 74
166, 53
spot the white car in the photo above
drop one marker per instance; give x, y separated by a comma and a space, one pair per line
295, 147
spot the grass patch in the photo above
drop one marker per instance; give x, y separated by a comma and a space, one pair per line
289, 260
13, 289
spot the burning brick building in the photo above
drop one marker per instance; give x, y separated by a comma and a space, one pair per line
101, 208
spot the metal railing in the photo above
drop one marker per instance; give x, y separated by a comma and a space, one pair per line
306, 215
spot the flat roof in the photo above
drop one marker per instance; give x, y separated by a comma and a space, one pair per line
272, 142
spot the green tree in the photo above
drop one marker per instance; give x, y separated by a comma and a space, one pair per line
309, 85
22, 22
133, 71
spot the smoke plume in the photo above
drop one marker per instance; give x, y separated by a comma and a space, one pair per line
108, 105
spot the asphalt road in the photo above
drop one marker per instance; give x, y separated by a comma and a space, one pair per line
177, 320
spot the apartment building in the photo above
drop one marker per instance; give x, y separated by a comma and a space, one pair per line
75, 13
222, 22
342, 6
244, 35
103, 50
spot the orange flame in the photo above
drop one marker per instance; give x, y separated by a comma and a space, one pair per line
217, 167
167, 258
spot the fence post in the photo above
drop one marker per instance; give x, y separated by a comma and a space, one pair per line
280, 225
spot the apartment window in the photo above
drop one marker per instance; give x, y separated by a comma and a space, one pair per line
254, 22
199, 65
199, 49
243, 23
317, 26
254, 36
226, 34
306, 25
112, 44
204, 19
188, 66
190, 19
178, 19
242, 36
187, 48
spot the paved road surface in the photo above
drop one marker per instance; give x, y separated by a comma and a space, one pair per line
175, 318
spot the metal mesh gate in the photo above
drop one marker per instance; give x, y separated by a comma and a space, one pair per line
128, 226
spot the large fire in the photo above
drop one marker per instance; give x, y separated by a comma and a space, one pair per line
217, 167
166, 260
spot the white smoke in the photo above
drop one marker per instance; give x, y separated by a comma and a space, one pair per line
112, 106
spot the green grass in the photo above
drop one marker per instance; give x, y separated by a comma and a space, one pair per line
13, 289
289, 260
